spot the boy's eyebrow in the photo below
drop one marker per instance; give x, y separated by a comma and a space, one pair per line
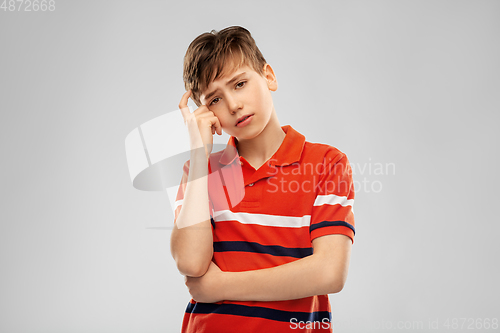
235, 78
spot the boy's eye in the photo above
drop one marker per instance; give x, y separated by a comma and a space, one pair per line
239, 84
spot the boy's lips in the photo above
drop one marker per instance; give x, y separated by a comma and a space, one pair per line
240, 119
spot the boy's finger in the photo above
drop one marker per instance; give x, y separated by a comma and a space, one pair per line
183, 104
214, 121
201, 111
217, 126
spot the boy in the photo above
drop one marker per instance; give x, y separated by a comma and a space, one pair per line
264, 261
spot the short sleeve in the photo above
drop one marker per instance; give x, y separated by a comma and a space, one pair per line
332, 212
180, 195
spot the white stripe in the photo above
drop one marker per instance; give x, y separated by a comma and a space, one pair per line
178, 203
332, 199
263, 219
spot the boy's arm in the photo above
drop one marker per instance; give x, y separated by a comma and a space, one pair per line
323, 272
191, 241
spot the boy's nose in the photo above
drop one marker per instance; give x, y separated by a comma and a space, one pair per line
233, 104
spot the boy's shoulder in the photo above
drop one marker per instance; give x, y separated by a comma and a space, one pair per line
321, 152
311, 151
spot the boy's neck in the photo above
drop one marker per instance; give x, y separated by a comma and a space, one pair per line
261, 148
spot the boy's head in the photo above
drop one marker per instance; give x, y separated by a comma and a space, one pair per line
216, 54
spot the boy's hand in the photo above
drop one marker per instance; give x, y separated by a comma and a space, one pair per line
209, 287
202, 124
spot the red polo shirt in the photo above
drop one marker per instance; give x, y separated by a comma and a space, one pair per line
303, 192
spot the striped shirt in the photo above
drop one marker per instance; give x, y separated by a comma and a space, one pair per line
268, 217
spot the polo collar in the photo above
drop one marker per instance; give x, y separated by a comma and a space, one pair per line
288, 153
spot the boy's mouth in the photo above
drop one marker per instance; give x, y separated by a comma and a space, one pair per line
243, 118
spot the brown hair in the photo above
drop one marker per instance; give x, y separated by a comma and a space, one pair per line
216, 53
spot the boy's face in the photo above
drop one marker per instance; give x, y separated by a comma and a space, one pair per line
244, 92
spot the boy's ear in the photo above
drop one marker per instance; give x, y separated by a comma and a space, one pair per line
272, 82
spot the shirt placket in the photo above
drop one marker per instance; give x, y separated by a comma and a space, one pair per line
254, 180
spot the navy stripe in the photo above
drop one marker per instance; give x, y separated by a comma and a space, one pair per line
257, 312
330, 224
274, 250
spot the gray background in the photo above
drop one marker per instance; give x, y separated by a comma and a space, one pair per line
412, 85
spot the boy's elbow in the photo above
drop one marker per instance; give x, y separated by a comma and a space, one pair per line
336, 281
190, 261
336, 286
194, 271
192, 268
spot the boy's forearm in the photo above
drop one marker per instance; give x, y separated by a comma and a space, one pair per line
309, 276
192, 240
